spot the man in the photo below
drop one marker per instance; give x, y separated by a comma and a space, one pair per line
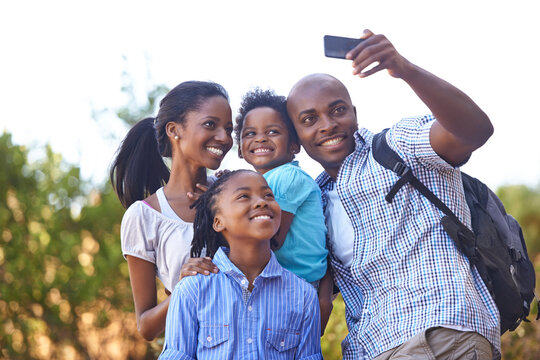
407, 289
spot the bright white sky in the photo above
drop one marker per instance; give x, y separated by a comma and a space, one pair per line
63, 60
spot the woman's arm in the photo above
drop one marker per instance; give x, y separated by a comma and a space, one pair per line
150, 315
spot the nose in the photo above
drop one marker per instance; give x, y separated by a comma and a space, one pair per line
260, 202
223, 136
327, 124
260, 138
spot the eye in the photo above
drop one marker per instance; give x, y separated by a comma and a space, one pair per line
242, 196
339, 109
209, 124
308, 120
269, 195
273, 132
249, 133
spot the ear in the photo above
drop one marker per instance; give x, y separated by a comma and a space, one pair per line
173, 129
240, 153
218, 224
354, 108
295, 149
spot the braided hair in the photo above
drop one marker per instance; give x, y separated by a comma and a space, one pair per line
204, 235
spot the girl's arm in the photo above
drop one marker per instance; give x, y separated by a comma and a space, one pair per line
182, 327
286, 221
326, 288
150, 315
310, 340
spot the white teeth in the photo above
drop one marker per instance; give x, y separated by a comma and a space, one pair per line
261, 150
332, 141
215, 150
261, 217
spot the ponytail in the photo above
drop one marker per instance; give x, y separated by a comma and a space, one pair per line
138, 169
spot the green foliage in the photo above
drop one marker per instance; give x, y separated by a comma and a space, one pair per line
60, 256
132, 112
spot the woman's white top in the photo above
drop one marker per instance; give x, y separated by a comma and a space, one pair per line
161, 238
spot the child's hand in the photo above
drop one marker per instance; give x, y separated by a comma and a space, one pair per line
198, 266
220, 173
194, 195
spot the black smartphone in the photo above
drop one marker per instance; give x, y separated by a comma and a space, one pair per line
338, 47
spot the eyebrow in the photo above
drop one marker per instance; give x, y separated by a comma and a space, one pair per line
247, 188
333, 103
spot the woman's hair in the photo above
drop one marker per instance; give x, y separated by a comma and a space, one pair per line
138, 169
257, 98
204, 235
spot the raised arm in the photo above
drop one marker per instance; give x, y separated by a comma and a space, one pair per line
461, 126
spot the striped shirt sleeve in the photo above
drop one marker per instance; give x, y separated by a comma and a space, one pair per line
310, 342
182, 327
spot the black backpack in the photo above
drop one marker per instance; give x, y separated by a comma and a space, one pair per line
495, 246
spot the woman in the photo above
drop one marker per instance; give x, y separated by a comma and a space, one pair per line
193, 127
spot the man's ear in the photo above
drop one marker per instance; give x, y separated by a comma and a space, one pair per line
218, 224
354, 108
174, 130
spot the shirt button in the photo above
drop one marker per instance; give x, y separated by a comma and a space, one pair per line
243, 282
250, 308
209, 338
282, 343
249, 340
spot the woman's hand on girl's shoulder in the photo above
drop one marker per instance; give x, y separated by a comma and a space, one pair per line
196, 266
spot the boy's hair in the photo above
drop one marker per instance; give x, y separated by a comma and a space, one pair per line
257, 98
204, 235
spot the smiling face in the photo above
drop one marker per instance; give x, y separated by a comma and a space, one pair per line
325, 120
205, 135
264, 141
246, 211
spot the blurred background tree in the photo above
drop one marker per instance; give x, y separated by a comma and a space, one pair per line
64, 285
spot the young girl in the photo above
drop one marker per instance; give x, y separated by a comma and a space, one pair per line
267, 140
252, 308
193, 127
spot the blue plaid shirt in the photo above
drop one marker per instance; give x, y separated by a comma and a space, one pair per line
216, 317
406, 275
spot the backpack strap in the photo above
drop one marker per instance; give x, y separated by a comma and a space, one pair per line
389, 159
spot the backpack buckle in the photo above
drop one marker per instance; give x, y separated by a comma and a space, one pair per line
399, 168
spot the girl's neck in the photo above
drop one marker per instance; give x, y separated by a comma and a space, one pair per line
251, 259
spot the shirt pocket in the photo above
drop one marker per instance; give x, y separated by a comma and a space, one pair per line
282, 344
213, 338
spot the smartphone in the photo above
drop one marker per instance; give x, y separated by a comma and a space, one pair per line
338, 47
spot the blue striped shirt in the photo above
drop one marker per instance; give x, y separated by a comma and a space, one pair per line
406, 275
216, 317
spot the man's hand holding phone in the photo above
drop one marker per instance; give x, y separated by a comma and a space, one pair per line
371, 53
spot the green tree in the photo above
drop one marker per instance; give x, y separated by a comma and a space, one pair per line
63, 280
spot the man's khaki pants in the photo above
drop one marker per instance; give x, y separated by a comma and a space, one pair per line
441, 343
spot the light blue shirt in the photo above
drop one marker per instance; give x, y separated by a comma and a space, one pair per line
304, 250
216, 317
